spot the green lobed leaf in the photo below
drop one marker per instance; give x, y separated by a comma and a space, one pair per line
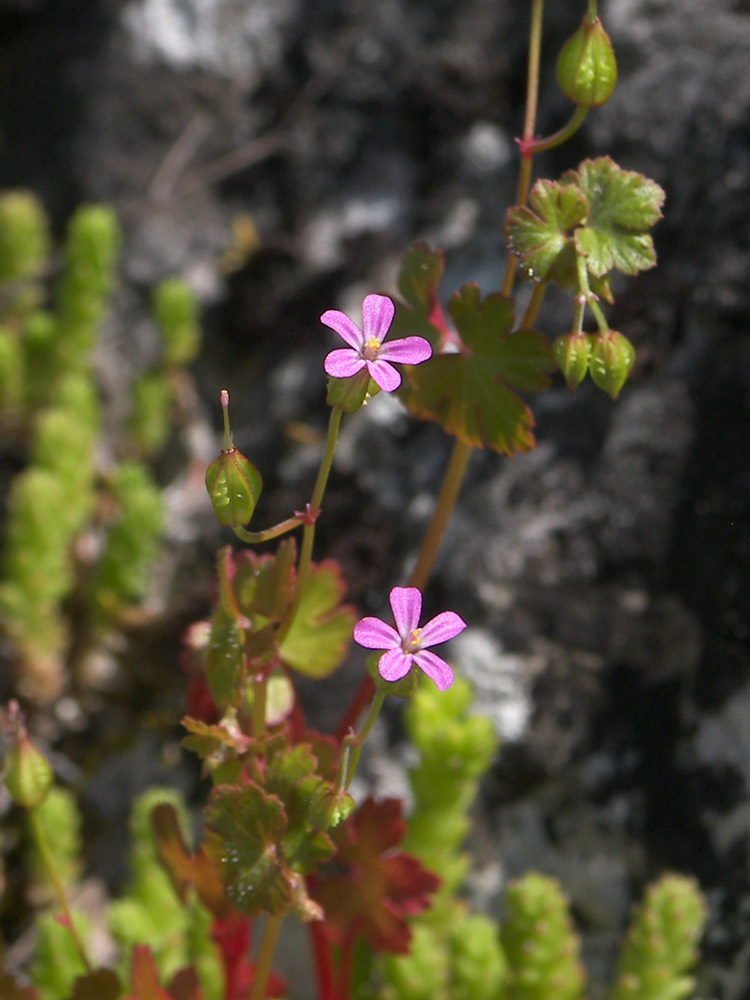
541, 236
322, 628
623, 205
264, 585
472, 393
244, 828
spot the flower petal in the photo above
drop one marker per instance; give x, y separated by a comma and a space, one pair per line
406, 604
435, 667
346, 328
384, 374
408, 351
395, 664
441, 628
343, 362
377, 316
372, 633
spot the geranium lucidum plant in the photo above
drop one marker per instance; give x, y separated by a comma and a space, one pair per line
282, 835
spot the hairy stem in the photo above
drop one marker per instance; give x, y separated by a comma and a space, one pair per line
532, 98
59, 889
308, 535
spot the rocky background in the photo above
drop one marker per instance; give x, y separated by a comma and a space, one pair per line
605, 574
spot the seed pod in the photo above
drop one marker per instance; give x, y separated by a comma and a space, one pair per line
612, 357
572, 356
28, 775
586, 66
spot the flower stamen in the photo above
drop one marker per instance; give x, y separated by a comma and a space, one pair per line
412, 643
370, 349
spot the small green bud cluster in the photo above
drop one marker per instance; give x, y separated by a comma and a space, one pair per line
609, 358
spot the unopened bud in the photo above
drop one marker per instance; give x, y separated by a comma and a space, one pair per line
232, 481
572, 356
28, 775
612, 358
586, 66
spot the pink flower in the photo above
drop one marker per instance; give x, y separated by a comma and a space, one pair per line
410, 643
366, 346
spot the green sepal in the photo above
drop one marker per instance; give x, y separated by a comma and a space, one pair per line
234, 486
225, 657
353, 392
572, 355
586, 66
321, 631
611, 361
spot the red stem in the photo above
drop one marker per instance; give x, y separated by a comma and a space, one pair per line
345, 972
232, 937
323, 964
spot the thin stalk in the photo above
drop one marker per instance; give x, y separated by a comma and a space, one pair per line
533, 307
532, 99
255, 537
260, 691
352, 745
265, 957
562, 135
323, 964
41, 843
308, 535
454, 477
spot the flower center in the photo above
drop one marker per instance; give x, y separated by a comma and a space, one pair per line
412, 643
370, 349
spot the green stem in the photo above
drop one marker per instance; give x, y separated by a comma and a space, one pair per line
254, 537
59, 888
454, 477
260, 691
562, 135
532, 99
533, 307
265, 957
308, 536
588, 296
352, 745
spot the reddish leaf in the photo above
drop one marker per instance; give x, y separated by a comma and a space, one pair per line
379, 887
183, 867
144, 978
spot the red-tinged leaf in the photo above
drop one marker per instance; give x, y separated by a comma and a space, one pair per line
11, 989
321, 631
225, 658
419, 279
264, 585
471, 394
184, 868
378, 887
144, 978
100, 984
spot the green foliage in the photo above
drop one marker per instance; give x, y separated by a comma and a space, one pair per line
599, 212
661, 946
540, 944
176, 313
57, 963
471, 391
133, 540
151, 911
60, 822
321, 630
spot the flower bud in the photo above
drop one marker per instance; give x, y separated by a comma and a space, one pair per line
572, 356
28, 775
232, 481
611, 361
586, 66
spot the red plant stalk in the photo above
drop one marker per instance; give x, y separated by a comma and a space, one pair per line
233, 937
323, 963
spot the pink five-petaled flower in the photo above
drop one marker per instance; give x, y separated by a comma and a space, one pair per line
366, 346
409, 644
